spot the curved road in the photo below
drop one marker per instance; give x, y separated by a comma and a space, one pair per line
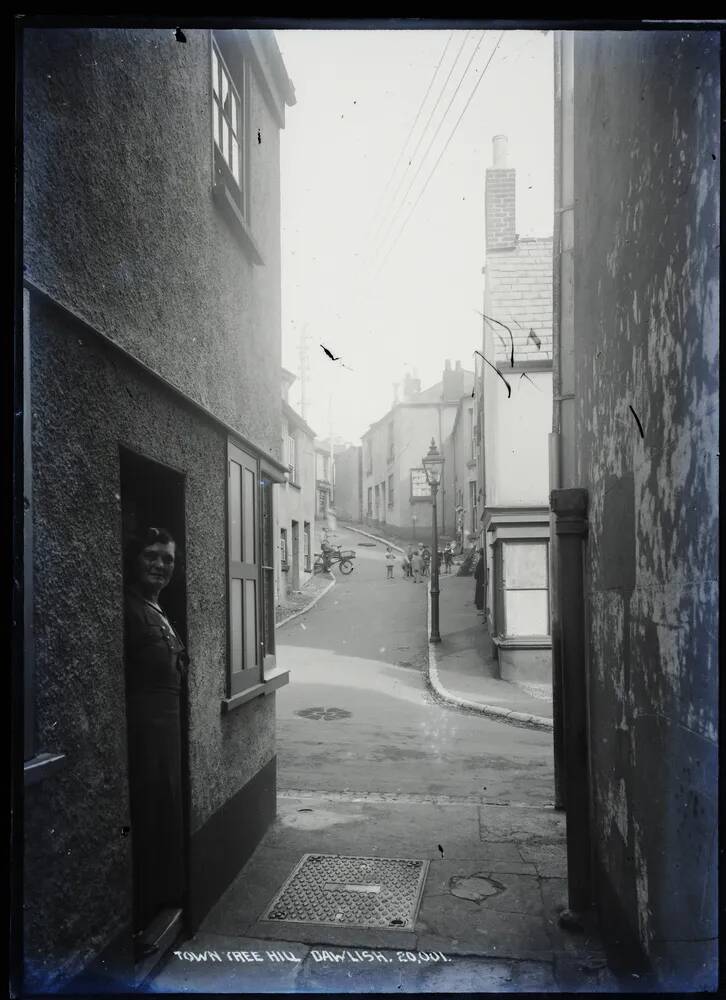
357, 716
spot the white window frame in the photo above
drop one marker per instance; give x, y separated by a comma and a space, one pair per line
292, 456
308, 547
230, 126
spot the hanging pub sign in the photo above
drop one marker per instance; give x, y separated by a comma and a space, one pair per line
420, 489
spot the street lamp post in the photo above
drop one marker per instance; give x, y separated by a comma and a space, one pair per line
433, 465
413, 519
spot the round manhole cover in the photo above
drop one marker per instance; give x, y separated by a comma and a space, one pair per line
327, 714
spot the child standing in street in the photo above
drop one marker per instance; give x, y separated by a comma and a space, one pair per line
416, 566
406, 565
390, 559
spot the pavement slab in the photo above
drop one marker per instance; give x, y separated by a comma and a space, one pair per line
528, 826
550, 860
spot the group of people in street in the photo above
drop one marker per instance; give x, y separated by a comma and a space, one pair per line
416, 561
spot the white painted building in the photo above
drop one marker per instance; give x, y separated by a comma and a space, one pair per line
295, 501
515, 424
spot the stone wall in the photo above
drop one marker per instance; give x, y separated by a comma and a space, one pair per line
647, 161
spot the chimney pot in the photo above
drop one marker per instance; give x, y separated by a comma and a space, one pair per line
458, 366
499, 151
448, 364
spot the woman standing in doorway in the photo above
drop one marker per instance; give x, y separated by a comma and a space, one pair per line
156, 663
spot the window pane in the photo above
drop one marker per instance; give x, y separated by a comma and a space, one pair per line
235, 159
235, 507
225, 89
215, 116
235, 618
233, 113
225, 139
250, 623
268, 583
526, 612
248, 517
525, 565
215, 71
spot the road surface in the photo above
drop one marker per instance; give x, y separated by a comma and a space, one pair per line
357, 716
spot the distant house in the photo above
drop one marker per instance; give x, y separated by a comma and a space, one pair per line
460, 479
324, 471
394, 487
151, 331
347, 476
295, 508
514, 433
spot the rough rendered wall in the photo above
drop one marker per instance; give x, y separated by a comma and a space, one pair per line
121, 226
647, 162
77, 862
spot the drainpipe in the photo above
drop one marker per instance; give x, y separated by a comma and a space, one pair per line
554, 437
570, 509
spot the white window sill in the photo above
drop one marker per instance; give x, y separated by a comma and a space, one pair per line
271, 683
41, 766
522, 641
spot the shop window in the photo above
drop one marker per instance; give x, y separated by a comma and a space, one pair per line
283, 549
525, 588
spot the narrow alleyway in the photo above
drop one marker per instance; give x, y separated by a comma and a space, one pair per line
371, 766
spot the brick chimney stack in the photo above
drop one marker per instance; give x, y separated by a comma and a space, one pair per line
411, 387
499, 199
452, 382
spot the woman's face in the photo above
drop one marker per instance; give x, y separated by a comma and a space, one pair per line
155, 565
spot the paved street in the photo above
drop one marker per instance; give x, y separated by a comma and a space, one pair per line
370, 766
357, 716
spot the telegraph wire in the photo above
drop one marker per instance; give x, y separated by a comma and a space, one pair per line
433, 171
402, 205
411, 131
425, 129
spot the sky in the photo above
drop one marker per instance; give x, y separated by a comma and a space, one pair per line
383, 201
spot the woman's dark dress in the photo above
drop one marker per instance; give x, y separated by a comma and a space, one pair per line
479, 574
155, 667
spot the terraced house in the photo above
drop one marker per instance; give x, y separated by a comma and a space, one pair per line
151, 326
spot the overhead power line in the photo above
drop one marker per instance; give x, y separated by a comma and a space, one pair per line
402, 205
428, 121
411, 131
433, 171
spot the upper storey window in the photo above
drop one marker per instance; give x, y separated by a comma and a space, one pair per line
230, 120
